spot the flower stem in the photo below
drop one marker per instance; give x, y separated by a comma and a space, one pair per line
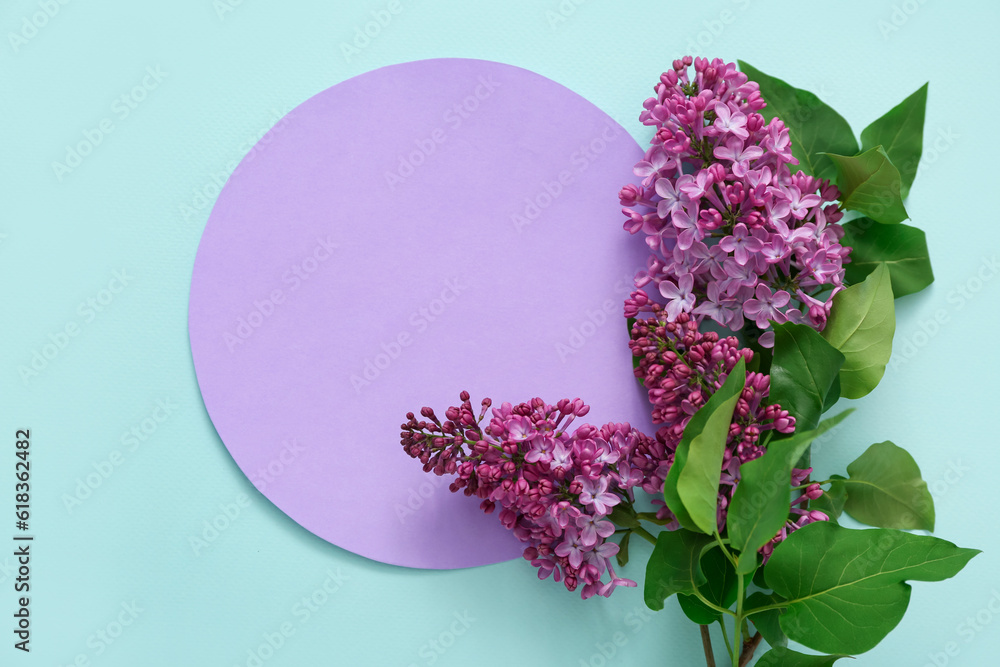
706, 643
725, 635
737, 645
645, 534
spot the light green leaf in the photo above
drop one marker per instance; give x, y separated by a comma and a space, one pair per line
767, 622
869, 183
760, 502
804, 368
815, 128
861, 325
720, 587
901, 133
901, 247
845, 590
694, 484
673, 566
884, 489
786, 657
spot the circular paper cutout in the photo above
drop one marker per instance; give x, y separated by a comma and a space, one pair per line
409, 233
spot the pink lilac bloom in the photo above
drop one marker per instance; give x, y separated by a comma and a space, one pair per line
681, 368
554, 482
717, 180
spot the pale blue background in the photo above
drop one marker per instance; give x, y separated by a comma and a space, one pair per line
227, 77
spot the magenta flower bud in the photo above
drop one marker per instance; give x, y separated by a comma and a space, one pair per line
629, 195
814, 491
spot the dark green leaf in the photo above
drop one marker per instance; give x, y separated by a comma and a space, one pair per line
766, 622
869, 183
758, 578
760, 503
786, 657
691, 489
673, 566
846, 589
901, 133
833, 395
720, 587
622, 555
623, 516
832, 501
805, 366
901, 247
861, 325
813, 126
884, 489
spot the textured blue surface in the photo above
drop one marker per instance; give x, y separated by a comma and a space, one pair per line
202, 81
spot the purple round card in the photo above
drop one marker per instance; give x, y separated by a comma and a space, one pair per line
409, 233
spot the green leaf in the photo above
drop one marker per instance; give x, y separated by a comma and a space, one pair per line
758, 578
833, 395
901, 133
760, 502
673, 566
846, 589
720, 587
814, 128
766, 622
832, 501
885, 490
624, 517
901, 247
622, 555
785, 657
693, 485
805, 367
861, 325
870, 183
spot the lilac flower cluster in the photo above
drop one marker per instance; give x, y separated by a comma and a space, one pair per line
555, 488
734, 235
681, 368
